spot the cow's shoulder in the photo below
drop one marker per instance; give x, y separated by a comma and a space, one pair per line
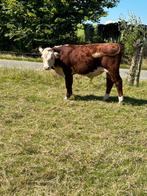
64, 49
64, 52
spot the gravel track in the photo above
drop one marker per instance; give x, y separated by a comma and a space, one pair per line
38, 66
20, 64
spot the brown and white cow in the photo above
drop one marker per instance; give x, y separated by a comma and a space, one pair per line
90, 60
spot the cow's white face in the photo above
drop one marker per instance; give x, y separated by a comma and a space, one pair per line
48, 56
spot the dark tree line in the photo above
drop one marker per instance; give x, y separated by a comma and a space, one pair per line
26, 24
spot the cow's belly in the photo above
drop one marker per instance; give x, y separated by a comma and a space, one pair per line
95, 72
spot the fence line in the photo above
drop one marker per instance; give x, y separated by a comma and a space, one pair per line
32, 55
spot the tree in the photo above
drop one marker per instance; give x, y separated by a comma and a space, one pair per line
135, 68
47, 22
4, 41
132, 36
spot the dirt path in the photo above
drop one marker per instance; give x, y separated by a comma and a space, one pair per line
20, 64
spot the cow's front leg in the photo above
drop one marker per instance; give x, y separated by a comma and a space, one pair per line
68, 83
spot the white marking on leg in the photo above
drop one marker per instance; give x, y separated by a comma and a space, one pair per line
105, 70
65, 98
106, 97
97, 55
120, 99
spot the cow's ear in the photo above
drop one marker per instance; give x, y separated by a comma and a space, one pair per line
40, 50
57, 55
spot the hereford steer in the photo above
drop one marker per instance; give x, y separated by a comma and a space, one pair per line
90, 60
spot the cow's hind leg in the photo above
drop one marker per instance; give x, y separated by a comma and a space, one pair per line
109, 85
114, 78
118, 84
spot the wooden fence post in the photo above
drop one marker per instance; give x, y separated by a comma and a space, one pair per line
135, 68
139, 66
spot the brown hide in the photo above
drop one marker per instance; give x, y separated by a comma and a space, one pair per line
108, 49
89, 58
83, 59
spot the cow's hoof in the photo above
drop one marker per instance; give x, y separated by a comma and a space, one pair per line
120, 100
65, 98
106, 97
72, 97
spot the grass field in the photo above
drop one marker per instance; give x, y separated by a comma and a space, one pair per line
82, 147
19, 58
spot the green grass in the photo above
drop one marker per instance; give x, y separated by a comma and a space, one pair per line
49, 146
80, 33
19, 58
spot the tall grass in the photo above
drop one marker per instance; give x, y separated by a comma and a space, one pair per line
49, 146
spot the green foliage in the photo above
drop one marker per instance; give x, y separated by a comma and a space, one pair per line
90, 33
130, 32
47, 22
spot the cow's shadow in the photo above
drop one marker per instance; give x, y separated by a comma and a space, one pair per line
112, 99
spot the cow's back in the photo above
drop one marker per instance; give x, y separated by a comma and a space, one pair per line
83, 59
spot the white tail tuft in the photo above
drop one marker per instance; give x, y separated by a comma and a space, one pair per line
97, 54
40, 50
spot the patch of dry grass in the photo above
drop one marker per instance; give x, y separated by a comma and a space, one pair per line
49, 146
